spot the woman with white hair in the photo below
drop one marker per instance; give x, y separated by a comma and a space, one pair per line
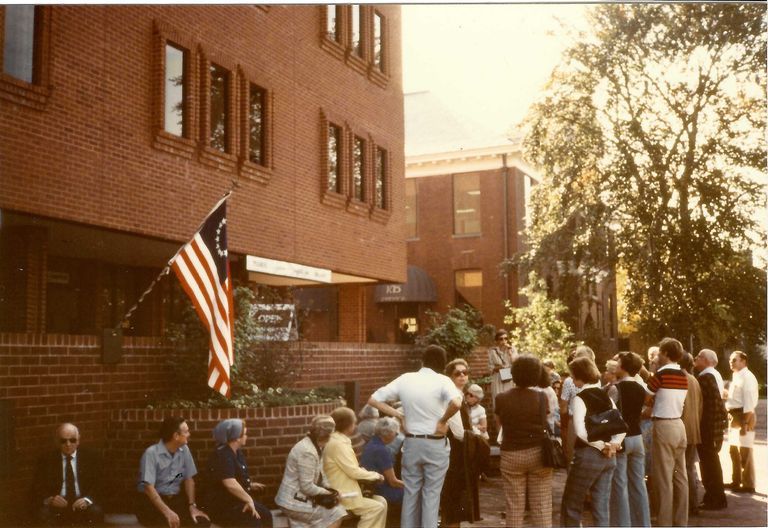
376, 457
366, 426
229, 497
304, 495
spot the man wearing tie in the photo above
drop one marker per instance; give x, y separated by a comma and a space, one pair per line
66, 486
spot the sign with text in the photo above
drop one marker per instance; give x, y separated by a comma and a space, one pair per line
275, 322
287, 269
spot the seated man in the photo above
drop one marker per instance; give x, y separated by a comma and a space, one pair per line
67, 482
164, 467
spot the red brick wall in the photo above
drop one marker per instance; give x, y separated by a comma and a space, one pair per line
272, 433
50, 379
87, 154
441, 253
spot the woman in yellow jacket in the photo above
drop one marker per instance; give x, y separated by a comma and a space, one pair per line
343, 471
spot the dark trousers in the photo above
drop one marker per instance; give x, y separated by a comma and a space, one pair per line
234, 516
148, 515
93, 515
712, 473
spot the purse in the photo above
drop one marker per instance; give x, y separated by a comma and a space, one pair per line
604, 424
329, 500
552, 454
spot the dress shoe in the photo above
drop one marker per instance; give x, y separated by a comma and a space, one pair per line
730, 485
712, 507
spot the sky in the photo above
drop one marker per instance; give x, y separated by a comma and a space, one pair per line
488, 62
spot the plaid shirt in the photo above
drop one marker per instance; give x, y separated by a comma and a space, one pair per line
714, 418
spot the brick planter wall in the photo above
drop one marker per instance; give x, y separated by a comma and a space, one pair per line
272, 432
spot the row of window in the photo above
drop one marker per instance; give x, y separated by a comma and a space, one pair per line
357, 34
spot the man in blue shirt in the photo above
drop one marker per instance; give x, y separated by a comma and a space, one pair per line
164, 468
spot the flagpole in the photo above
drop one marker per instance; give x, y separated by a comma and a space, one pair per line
124, 320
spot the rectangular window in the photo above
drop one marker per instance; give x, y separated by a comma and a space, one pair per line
469, 288
411, 227
256, 122
175, 62
381, 176
378, 42
466, 204
358, 169
334, 149
332, 23
219, 106
357, 48
19, 42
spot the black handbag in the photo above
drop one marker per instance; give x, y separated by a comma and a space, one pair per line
552, 454
327, 500
605, 424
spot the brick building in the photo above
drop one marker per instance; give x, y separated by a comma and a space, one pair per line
121, 126
466, 192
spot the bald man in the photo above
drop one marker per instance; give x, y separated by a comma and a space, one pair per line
67, 482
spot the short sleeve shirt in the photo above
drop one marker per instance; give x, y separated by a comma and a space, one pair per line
165, 470
570, 390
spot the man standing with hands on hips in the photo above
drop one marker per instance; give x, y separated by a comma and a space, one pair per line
741, 403
428, 400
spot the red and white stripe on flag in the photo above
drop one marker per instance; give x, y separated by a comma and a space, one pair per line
202, 267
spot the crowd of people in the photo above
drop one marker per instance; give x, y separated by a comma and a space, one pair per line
631, 436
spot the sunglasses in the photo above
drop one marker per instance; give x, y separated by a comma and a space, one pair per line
68, 440
457, 373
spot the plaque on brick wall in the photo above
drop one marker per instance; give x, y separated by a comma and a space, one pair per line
275, 322
111, 346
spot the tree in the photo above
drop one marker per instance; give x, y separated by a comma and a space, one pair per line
649, 137
456, 331
539, 328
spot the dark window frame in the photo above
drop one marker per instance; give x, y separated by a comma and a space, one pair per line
37, 93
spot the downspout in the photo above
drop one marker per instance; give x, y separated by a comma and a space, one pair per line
505, 176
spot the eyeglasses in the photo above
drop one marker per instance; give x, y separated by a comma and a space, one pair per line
457, 373
68, 440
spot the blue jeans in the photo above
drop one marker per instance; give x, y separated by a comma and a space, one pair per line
629, 496
590, 471
425, 463
647, 433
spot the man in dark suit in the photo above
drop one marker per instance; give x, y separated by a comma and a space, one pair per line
714, 421
67, 483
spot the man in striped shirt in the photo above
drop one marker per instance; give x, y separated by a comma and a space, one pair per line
670, 482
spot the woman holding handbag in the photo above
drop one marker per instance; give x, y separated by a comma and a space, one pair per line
521, 411
500, 358
304, 495
594, 458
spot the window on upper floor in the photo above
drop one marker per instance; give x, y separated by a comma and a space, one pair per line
356, 43
219, 108
411, 225
334, 158
175, 119
378, 41
469, 288
380, 184
332, 23
466, 204
358, 169
256, 124
19, 42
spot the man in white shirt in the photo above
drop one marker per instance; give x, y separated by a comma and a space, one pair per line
741, 403
429, 399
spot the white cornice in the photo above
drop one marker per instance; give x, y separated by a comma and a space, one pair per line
468, 160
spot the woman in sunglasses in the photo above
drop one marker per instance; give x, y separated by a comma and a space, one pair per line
460, 470
500, 359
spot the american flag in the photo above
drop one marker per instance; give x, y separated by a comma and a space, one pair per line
202, 266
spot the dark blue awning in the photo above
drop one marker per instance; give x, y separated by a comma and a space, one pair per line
418, 288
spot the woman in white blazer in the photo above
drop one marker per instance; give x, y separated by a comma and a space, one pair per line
304, 480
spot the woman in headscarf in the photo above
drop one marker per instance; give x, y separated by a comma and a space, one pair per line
304, 485
229, 498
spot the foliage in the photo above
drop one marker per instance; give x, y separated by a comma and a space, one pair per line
538, 328
257, 364
257, 398
456, 331
649, 136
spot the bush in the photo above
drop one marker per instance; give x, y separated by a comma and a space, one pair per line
456, 331
257, 398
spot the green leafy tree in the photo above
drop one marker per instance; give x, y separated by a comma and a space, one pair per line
456, 331
539, 327
649, 137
